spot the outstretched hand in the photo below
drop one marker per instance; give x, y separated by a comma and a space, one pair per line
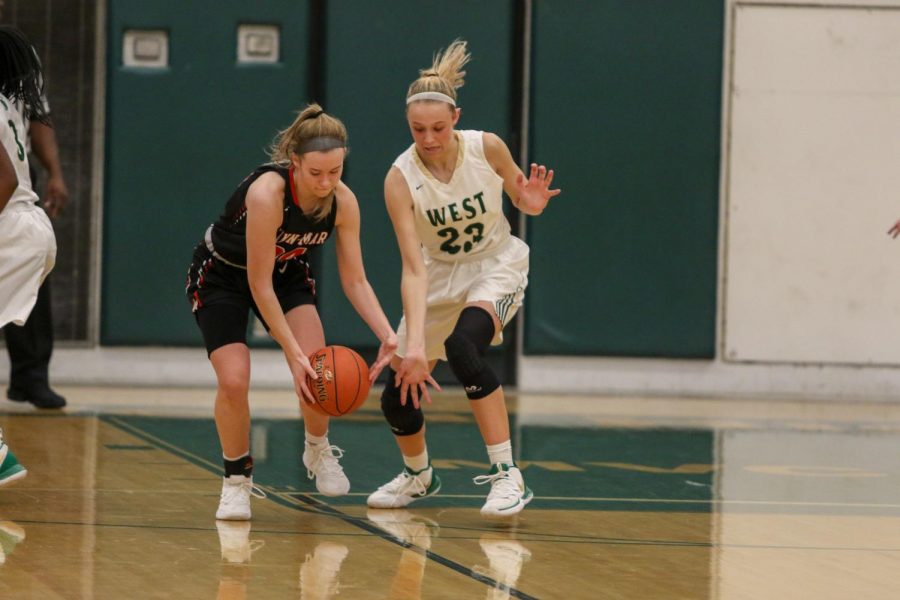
385, 354
535, 192
895, 230
412, 379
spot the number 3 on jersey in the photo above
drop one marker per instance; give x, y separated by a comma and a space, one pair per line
475, 230
20, 151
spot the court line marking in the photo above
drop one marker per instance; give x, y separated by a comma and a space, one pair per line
287, 492
316, 506
322, 508
291, 499
420, 550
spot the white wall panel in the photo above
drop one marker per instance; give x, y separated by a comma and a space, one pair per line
813, 185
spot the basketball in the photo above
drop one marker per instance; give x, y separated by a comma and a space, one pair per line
343, 383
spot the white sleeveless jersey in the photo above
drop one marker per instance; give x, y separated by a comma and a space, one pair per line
13, 134
461, 220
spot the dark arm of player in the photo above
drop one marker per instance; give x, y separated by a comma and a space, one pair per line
43, 142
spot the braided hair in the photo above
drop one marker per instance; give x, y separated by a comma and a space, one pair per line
20, 73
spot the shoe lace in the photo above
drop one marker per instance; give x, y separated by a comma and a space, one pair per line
404, 483
326, 461
502, 484
231, 492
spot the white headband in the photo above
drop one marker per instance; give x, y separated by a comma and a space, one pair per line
431, 96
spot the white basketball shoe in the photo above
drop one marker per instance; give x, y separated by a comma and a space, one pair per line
508, 495
322, 464
234, 503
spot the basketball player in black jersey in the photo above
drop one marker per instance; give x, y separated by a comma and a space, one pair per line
256, 257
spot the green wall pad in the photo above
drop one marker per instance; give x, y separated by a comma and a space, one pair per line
179, 140
626, 109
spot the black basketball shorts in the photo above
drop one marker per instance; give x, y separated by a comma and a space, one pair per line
221, 300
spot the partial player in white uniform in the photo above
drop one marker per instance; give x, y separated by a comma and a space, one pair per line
27, 243
464, 276
30, 346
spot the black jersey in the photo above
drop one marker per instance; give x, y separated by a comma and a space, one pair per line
297, 235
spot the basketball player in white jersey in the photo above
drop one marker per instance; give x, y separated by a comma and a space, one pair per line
464, 276
27, 243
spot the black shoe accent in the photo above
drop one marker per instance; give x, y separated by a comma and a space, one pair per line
40, 397
16, 395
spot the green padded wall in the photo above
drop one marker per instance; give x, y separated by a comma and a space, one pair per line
626, 108
178, 141
373, 54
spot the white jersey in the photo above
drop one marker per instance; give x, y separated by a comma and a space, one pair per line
27, 243
461, 220
13, 134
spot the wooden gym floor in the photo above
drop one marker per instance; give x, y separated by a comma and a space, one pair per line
635, 498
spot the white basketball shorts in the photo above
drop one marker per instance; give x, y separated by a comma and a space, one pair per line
499, 279
27, 255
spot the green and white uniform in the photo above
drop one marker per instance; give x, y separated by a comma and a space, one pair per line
27, 243
470, 254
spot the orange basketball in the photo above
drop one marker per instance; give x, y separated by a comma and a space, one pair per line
343, 383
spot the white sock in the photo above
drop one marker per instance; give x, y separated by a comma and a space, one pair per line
317, 440
417, 464
501, 453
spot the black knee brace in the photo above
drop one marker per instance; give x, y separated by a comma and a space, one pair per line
404, 420
465, 352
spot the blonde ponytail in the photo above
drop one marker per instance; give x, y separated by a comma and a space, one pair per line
445, 75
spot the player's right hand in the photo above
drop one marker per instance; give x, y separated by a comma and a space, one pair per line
895, 230
385, 354
56, 195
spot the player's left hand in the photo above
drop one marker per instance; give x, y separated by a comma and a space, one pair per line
535, 192
413, 377
300, 370
55, 196
385, 354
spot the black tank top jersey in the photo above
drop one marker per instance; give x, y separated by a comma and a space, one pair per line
297, 235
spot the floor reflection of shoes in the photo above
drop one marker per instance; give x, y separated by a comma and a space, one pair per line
506, 557
10, 468
233, 588
404, 525
10, 535
234, 539
319, 573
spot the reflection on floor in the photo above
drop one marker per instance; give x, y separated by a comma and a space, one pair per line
635, 498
